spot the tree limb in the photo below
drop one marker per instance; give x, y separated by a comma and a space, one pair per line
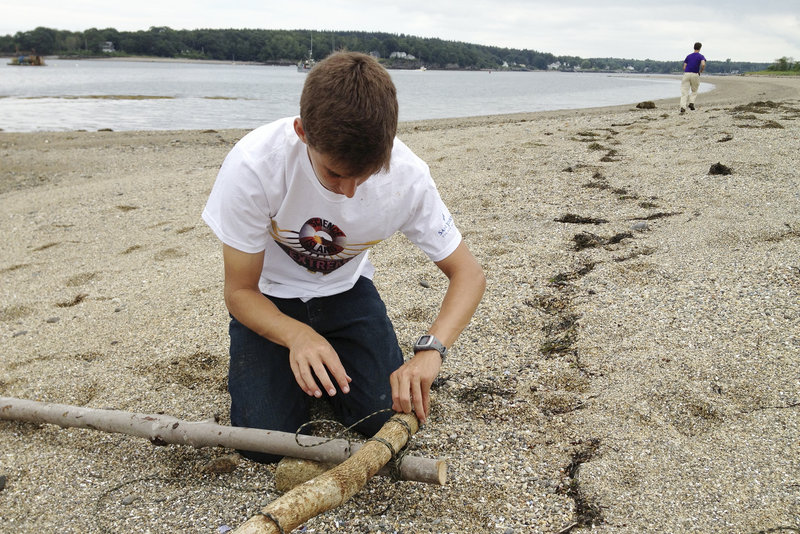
334, 487
164, 429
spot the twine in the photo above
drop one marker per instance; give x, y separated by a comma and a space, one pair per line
273, 519
397, 456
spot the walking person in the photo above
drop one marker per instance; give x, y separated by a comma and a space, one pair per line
693, 65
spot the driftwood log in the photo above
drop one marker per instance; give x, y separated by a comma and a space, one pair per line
164, 429
291, 472
333, 487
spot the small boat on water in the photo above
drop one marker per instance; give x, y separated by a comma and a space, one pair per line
25, 59
305, 65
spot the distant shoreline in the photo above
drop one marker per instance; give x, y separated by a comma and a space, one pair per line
157, 59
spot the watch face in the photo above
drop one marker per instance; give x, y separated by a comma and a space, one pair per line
425, 340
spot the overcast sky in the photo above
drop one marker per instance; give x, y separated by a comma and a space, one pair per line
760, 31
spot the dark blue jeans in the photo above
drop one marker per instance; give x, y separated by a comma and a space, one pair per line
264, 393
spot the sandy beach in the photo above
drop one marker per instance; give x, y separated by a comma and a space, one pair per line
633, 367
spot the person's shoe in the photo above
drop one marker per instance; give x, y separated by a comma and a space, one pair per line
691, 106
683, 110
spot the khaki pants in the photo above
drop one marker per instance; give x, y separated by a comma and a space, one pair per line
691, 80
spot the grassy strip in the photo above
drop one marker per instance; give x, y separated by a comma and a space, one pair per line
775, 73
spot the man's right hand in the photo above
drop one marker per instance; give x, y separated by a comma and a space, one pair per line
311, 355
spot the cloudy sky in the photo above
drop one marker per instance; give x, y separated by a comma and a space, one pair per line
760, 31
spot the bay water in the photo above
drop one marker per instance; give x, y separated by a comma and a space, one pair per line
152, 95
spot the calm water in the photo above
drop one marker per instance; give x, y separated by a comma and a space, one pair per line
69, 95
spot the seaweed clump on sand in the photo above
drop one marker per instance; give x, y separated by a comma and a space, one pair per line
719, 168
571, 218
757, 107
586, 240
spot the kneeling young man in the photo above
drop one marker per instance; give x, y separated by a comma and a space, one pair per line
297, 204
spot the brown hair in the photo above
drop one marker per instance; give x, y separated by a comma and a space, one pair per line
349, 112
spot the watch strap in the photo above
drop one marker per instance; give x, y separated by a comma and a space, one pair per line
430, 342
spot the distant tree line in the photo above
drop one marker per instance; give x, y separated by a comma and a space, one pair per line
785, 64
289, 46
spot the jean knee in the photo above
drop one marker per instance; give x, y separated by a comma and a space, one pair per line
261, 384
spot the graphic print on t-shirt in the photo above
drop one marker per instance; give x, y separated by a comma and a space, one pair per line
319, 246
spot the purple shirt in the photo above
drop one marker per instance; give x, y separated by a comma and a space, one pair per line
693, 62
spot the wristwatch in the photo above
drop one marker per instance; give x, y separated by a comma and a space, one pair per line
429, 342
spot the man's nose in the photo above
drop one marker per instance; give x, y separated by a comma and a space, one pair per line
348, 187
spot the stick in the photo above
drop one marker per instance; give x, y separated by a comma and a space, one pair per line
164, 429
333, 487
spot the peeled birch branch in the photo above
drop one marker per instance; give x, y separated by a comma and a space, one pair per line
164, 429
334, 487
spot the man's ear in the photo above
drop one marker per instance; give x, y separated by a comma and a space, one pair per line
298, 129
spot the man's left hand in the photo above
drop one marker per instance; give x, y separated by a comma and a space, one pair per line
411, 383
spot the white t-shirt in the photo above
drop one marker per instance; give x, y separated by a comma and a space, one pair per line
316, 242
